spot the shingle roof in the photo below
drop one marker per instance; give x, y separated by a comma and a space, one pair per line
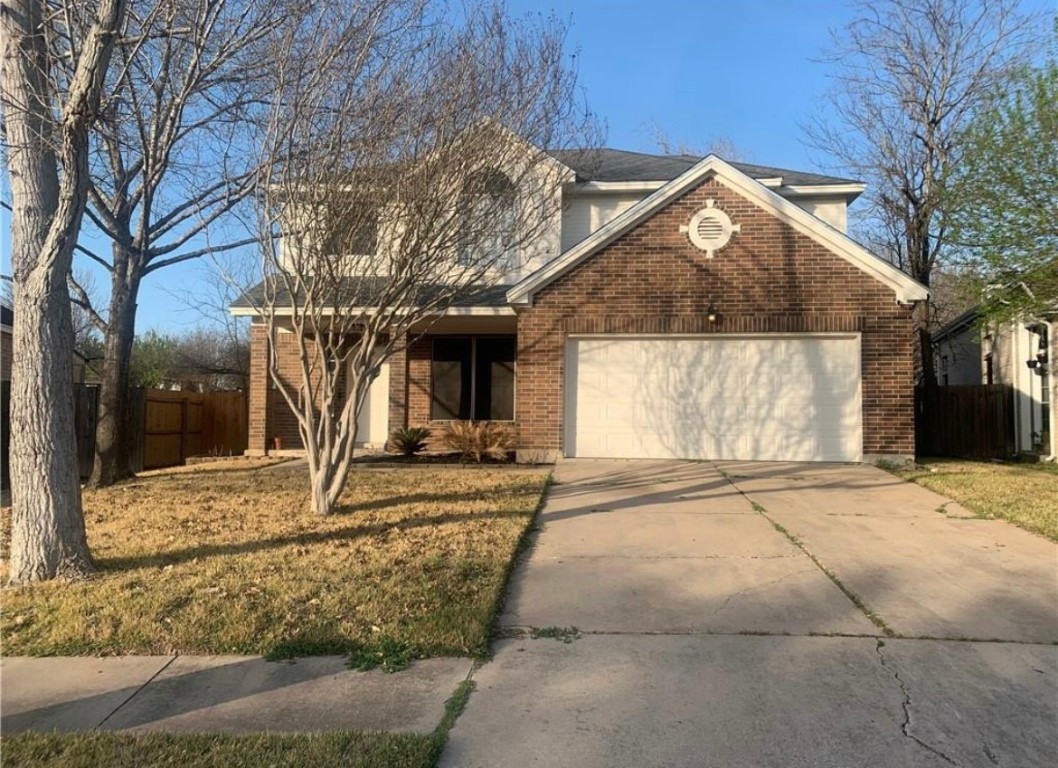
357, 291
607, 164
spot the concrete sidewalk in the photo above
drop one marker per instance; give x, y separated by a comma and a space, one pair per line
233, 694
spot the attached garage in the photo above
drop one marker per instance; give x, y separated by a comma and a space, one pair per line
747, 397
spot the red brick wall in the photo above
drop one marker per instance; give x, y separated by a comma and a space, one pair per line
270, 416
769, 278
6, 340
259, 424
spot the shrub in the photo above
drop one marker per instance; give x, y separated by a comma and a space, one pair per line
410, 440
479, 439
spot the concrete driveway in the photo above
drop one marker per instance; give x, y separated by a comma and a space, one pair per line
748, 614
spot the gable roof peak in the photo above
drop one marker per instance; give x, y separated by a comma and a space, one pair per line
907, 290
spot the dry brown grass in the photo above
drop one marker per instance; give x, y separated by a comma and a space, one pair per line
231, 464
1023, 494
217, 560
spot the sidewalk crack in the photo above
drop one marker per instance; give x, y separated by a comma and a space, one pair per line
136, 693
727, 600
905, 726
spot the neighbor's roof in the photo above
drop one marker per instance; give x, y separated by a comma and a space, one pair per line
621, 165
358, 291
7, 316
958, 324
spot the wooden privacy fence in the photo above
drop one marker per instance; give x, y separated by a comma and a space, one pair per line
167, 427
965, 421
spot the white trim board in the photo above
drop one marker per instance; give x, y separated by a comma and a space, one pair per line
905, 288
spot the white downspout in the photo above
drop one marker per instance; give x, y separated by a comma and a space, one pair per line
1051, 382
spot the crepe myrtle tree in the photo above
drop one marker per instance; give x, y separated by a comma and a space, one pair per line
53, 67
400, 175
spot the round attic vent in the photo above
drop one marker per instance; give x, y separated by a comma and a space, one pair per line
710, 229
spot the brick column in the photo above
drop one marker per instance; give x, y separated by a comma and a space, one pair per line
260, 392
398, 390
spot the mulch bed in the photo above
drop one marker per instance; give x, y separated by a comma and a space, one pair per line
429, 459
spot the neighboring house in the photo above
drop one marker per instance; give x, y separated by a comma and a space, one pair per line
969, 351
7, 331
679, 307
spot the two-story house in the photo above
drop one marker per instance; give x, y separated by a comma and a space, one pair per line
676, 307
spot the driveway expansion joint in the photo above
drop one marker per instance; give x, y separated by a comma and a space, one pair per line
905, 726
871, 615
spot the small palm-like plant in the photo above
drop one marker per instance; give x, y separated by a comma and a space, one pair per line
478, 440
410, 440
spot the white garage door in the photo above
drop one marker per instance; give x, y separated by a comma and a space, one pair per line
768, 398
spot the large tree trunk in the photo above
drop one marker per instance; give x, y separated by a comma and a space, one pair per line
48, 535
113, 436
927, 368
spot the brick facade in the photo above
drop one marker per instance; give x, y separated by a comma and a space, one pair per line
652, 280
269, 415
769, 278
6, 340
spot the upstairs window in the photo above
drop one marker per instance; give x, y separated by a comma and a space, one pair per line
344, 231
473, 378
488, 216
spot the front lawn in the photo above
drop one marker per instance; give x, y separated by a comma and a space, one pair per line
232, 561
89, 750
1024, 494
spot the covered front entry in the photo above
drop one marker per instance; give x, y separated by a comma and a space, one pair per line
765, 397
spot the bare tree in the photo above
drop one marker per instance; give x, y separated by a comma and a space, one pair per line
47, 119
210, 360
908, 75
401, 175
215, 355
85, 328
721, 146
171, 157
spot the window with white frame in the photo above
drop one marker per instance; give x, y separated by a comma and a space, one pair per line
489, 217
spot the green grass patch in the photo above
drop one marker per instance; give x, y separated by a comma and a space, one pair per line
1023, 494
563, 634
90, 750
413, 564
350, 749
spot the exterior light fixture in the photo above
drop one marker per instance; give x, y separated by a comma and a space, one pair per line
1039, 363
711, 314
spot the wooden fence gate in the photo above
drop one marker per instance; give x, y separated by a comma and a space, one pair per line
965, 421
168, 427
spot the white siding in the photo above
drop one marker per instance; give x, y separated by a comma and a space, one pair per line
586, 212
832, 210
958, 359
1013, 345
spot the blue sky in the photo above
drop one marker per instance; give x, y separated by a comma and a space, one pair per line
741, 71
